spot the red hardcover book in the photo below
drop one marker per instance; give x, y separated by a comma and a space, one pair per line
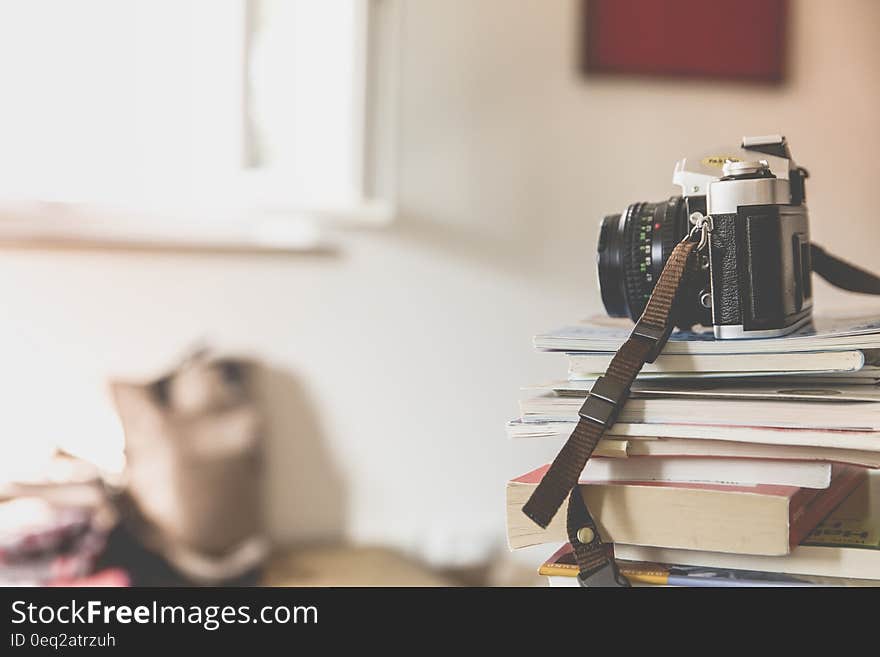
759, 519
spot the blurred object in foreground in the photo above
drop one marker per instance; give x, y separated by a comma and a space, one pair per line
193, 450
347, 565
109, 577
54, 526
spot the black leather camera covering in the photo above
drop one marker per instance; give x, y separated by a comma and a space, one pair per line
760, 267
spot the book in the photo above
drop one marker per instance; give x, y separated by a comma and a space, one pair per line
759, 519
714, 389
589, 365
649, 446
824, 334
561, 570
844, 544
836, 439
687, 469
850, 416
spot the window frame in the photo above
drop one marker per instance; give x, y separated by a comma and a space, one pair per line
258, 209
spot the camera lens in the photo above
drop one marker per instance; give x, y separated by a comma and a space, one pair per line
633, 247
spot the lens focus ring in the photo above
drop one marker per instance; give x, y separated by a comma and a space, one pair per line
633, 250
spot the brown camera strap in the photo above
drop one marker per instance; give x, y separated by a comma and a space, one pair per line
598, 413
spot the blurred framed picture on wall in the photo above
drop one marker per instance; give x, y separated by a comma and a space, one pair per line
743, 40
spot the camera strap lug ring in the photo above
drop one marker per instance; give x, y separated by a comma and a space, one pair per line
703, 224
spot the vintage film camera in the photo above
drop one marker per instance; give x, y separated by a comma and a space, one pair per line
755, 274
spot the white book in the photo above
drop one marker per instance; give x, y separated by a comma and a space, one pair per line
733, 471
590, 365
619, 447
825, 334
716, 389
853, 440
844, 416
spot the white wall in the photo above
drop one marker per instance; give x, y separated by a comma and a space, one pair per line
409, 347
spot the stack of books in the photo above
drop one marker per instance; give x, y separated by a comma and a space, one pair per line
734, 462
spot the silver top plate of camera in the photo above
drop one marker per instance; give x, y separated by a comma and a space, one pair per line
694, 174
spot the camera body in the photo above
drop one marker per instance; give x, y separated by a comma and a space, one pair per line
754, 278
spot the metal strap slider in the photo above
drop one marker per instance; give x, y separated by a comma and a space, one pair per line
604, 401
655, 334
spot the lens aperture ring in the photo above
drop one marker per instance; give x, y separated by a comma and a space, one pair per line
639, 272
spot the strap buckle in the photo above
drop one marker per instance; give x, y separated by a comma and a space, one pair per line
607, 576
604, 402
655, 334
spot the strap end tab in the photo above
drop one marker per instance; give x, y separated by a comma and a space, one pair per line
608, 576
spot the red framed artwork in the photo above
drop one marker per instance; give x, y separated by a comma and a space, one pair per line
742, 40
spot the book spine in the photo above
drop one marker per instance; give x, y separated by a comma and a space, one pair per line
807, 512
